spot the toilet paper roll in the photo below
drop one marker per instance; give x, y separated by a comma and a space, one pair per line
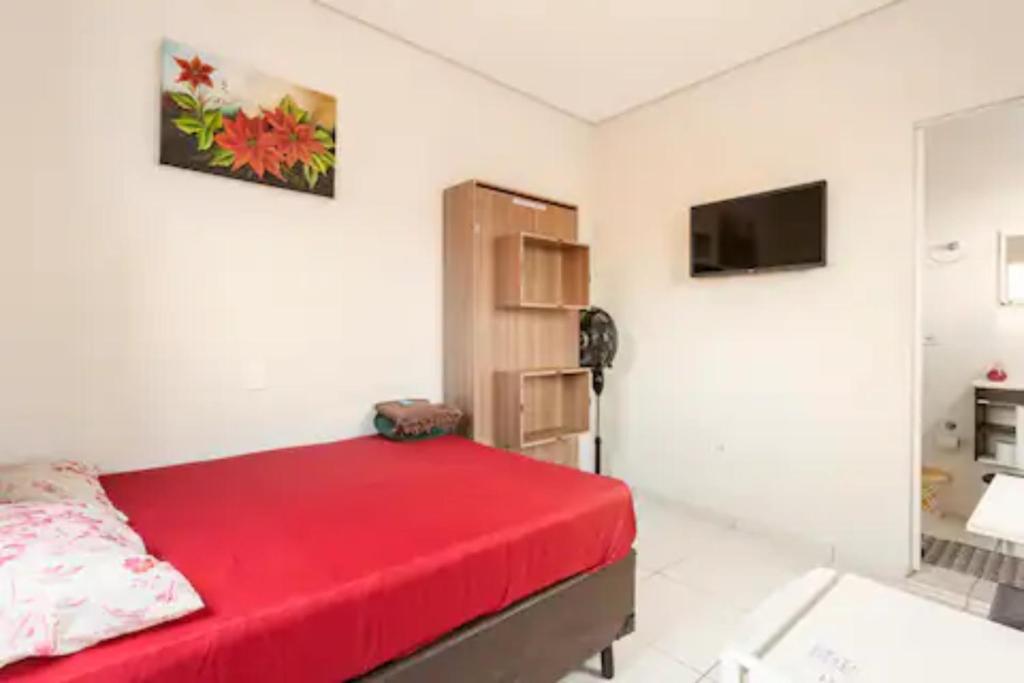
947, 442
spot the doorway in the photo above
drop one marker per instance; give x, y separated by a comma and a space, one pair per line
969, 206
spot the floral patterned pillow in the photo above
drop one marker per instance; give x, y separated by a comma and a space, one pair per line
71, 576
53, 482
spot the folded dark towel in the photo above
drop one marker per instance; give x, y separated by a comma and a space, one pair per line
419, 416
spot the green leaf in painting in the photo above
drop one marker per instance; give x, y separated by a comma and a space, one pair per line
290, 107
222, 158
312, 175
185, 101
214, 120
322, 161
205, 139
324, 138
188, 124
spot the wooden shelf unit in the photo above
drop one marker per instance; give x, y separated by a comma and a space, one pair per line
542, 272
538, 407
515, 278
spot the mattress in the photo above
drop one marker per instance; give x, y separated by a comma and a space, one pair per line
321, 563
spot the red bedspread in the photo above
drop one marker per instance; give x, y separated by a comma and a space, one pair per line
323, 562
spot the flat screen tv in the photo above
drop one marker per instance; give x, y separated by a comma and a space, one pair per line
778, 230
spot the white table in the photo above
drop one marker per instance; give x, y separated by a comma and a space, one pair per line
1000, 512
824, 627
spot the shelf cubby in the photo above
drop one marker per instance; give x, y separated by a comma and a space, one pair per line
998, 423
540, 407
542, 272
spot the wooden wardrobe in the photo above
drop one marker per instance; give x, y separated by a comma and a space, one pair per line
515, 279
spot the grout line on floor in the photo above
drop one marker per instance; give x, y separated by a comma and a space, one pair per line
686, 665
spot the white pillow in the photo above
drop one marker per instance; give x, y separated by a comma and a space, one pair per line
52, 482
72, 576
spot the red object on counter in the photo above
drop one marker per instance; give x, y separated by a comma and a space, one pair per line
997, 374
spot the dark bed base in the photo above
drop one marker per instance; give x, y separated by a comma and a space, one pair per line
537, 640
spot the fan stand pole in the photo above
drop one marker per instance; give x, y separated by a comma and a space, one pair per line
598, 388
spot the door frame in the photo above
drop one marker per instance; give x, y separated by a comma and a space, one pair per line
920, 129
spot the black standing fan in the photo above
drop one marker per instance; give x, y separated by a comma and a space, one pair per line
599, 340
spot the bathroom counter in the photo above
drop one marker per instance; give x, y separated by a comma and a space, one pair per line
1008, 385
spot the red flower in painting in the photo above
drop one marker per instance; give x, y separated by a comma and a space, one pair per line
252, 143
195, 72
294, 139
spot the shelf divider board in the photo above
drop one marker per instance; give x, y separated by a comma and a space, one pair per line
552, 451
548, 239
546, 436
997, 428
576, 276
989, 460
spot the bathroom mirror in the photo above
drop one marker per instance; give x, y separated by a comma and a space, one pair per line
1011, 269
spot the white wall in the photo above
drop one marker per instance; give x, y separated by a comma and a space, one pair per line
974, 190
786, 398
139, 301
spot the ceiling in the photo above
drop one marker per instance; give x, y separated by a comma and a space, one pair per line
595, 59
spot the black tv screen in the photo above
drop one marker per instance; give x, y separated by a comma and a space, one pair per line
782, 229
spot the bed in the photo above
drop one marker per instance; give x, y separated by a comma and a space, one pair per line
369, 559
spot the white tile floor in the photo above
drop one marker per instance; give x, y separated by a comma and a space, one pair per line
698, 575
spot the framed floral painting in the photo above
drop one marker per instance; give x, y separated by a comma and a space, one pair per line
226, 119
